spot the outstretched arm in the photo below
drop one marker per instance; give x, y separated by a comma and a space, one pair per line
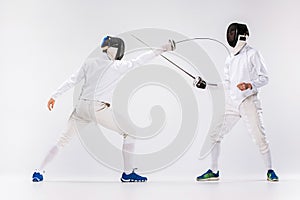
124, 66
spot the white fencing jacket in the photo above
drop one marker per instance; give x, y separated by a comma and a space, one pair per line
101, 76
248, 66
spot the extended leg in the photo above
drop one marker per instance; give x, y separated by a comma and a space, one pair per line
62, 141
251, 112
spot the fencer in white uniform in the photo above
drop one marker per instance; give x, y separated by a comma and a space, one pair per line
100, 76
245, 73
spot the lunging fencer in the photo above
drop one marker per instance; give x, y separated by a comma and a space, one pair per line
245, 73
95, 100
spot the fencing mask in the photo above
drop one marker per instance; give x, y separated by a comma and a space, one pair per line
237, 35
114, 47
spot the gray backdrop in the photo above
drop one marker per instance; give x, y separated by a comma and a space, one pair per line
43, 42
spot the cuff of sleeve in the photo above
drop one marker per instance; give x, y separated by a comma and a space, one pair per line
54, 96
254, 88
158, 52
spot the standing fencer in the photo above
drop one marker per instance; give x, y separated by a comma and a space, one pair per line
95, 99
245, 73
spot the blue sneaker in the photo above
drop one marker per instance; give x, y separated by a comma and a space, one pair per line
208, 176
132, 177
272, 176
37, 177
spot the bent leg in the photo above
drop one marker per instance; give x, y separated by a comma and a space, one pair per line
223, 128
104, 117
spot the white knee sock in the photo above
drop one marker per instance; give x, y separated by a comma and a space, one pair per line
128, 153
51, 154
215, 152
267, 160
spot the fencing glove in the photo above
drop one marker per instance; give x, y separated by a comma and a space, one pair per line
199, 83
170, 46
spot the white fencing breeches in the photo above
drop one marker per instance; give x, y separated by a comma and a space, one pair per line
250, 111
92, 111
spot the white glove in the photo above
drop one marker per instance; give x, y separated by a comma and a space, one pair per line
170, 46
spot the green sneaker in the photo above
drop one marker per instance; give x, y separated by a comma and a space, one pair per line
208, 176
271, 176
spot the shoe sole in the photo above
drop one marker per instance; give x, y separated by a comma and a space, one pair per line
132, 181
273, 180
36, 180
209, 179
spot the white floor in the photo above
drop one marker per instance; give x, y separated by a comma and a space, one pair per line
184, 189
